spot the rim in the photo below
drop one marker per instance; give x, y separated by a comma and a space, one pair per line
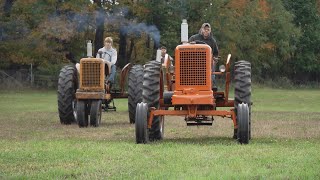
74, 108
99, 111
161, 125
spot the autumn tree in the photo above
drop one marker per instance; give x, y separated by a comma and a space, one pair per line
306, 59
45, 33
279, 38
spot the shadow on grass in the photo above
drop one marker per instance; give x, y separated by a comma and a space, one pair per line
202, 140
219, 141
115, 123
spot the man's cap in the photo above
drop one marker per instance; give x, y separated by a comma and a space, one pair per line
205, 25
163, 47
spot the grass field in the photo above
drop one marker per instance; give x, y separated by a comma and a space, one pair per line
285, 142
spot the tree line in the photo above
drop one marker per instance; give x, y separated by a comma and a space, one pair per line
281, 38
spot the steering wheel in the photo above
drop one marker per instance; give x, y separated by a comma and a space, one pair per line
199, 42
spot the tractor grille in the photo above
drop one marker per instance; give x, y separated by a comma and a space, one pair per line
193, 68
90, 74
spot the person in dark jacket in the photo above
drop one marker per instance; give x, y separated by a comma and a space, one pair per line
205, 36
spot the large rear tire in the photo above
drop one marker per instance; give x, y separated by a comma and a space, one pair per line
82, 113
142, 135
242, 91
95, 113
243, 123
135, 79
151, 96
67, 86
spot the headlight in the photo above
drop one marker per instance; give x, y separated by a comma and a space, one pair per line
222, 68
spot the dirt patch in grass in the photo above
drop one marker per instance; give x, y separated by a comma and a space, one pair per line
283, 125
289, 125
115, 127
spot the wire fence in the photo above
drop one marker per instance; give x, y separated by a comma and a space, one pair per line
26, 78
33, 78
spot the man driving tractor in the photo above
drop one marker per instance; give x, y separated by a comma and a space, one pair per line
205, 35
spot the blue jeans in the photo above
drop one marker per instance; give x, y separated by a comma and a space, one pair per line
112, 74
213, 76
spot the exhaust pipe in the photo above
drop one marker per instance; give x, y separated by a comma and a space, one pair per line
184, 31
158, 55
89, 49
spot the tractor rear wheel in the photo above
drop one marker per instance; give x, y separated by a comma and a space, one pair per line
151, 96
243, 123
82, 113
242, 91
67, 86
95, 113
142, 135
135, 79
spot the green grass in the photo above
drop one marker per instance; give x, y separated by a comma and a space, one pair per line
285, 144
170, 160
299, 100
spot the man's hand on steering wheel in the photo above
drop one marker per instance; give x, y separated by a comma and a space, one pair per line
216, 59
199, 42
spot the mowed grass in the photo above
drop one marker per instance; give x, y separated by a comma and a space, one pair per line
285, 142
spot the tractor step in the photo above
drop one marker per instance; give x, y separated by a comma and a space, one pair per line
115, 90
110, 108
199, 123
107, 107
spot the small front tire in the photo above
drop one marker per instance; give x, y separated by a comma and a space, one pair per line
141, 124
243, 123
95, 113
82, 113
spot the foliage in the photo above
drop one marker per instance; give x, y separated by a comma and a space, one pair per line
279, 38
40, 32
306, 60
263, 37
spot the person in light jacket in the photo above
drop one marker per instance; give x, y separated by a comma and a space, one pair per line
109, 54
165, 57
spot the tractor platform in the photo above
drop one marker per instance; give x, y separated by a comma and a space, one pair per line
199, 121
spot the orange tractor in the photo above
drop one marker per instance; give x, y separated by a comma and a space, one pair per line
186, 90
83, 91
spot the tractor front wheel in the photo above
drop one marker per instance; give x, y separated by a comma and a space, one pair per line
95, 113
142, 135
82, 113
243, 123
